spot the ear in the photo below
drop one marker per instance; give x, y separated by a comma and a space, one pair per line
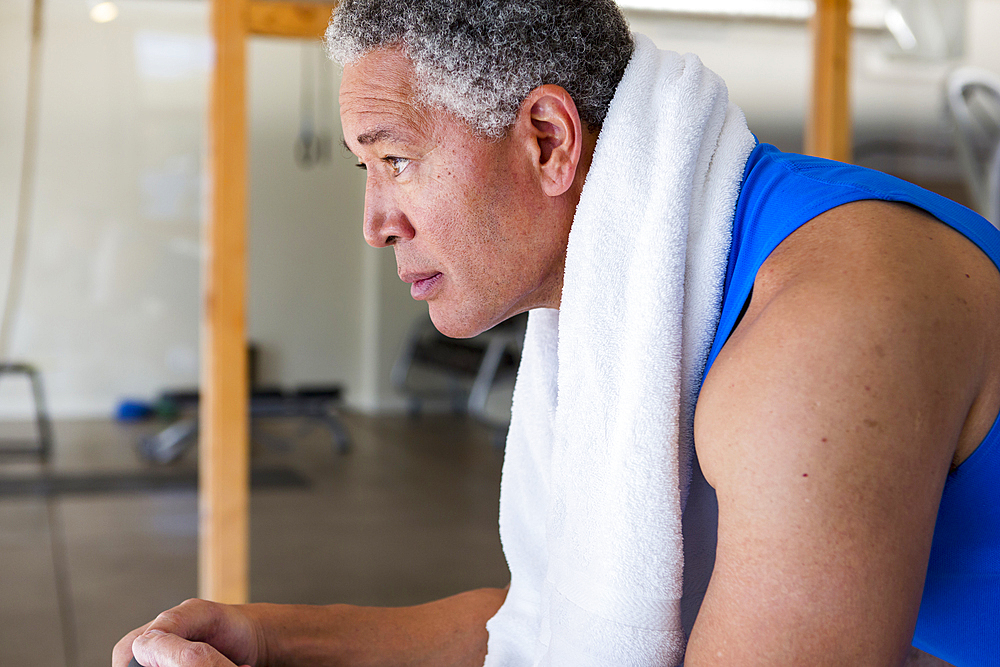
552, 133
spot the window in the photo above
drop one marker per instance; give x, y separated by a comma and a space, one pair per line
926, 29
865, 13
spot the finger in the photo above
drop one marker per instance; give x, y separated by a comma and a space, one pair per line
220, 626
192, 619
122, 652
155, 648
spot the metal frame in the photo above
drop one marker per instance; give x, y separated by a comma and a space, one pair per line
980, 161
42, 446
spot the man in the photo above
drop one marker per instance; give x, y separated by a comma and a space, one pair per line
853, 372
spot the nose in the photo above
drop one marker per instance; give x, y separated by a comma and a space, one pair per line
385, 224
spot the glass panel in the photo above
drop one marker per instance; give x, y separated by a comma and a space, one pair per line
864, 13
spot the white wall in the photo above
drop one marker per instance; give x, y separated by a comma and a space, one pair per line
981, 34
306, 250
110, 288
324, 306
112, 301
14, 44
767, 66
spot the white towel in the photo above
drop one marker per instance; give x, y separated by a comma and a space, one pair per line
600, 445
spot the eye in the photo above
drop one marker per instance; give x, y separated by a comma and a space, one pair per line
398, 164
362, 166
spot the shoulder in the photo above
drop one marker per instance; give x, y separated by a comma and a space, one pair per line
865, 363
875, 288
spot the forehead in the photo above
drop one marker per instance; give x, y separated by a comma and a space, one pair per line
378, 100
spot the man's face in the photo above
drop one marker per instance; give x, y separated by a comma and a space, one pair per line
472, 230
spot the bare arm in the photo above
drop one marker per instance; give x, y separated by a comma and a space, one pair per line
448, 632
863, 369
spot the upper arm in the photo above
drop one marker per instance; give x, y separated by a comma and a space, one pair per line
827, 426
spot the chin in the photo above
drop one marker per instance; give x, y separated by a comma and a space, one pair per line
462, 325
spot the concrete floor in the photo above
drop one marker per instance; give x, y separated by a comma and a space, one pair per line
409, 515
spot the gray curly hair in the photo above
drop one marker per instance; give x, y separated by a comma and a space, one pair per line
479, 59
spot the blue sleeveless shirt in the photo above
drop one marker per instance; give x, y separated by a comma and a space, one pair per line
959, 618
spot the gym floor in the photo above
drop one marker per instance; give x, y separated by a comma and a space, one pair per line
408, 515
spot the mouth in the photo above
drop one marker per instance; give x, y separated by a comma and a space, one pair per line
422, 285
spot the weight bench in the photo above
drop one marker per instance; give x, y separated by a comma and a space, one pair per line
315, 403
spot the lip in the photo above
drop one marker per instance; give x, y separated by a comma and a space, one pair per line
422, 285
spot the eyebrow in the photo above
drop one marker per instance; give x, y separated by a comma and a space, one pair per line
378, 135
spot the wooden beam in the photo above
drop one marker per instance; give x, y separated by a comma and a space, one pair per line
289, 19
223, 555
828, 128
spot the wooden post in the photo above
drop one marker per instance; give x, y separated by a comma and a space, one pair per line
283, 18
828, 128
223, 502
224, 449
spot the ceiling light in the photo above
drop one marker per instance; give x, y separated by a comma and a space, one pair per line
104, 12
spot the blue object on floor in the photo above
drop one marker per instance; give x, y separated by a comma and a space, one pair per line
131, 411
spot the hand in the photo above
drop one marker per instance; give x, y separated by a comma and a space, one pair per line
156, 648
196, 633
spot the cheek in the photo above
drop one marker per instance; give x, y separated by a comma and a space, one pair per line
471, 211
460, 216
